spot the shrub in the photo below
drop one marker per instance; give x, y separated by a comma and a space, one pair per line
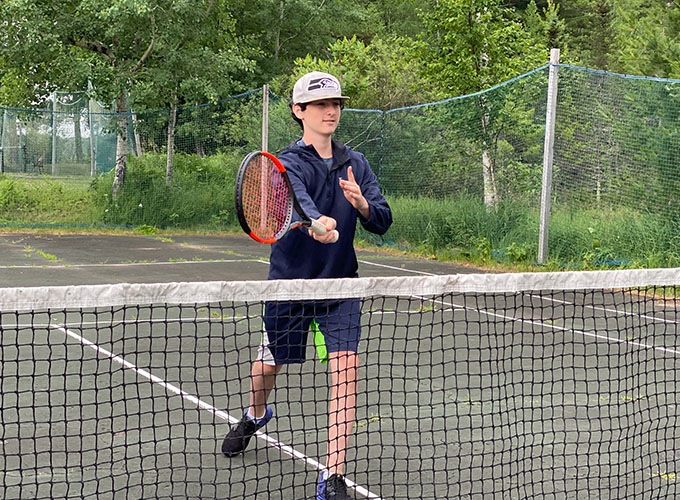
201, 193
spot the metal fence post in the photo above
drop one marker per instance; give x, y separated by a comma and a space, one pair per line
265, 117
90, 121
551, 109
54, 133
2, 141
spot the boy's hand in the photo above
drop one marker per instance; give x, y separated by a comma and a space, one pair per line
352, 193
330, 224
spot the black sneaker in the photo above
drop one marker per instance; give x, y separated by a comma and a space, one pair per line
239, 436
333, 488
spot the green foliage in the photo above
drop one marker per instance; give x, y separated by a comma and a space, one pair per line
554, 29
146, 230
42, 200
232, 123
586, 238
160, 52
616, 140
589, 32
201, 194
197, 57
469, 46
615, 143
458, 227
396, 17
287, 30
150, 47
437, 150
384, 74
463, 229
63, 44
461, 226
549, 30
472, 45
648, 37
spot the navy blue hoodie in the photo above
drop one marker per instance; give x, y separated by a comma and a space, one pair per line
298, 255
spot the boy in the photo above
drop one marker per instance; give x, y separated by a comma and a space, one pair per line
336, 186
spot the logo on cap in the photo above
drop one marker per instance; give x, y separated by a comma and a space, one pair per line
323, 83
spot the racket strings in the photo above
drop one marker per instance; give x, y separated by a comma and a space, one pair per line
265, 198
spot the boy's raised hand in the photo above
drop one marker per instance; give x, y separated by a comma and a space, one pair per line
352, 192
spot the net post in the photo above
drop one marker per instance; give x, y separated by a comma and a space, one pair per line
551, 109
265, 117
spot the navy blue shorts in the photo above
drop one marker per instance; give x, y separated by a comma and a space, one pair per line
336, 325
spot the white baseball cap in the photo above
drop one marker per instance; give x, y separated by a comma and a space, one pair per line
315, 86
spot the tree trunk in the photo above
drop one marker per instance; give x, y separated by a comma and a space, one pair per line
277, 40
171, 143
490, 191
121, 145
139, 150
488, 163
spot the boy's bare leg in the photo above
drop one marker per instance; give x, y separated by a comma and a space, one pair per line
342, 408
262, 379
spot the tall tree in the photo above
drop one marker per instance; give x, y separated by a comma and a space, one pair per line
384, 74
472, 45
590, 24
549, 30
55, 43
288, 29
399, 18
648, 37
62, 44
602, 35
197, 60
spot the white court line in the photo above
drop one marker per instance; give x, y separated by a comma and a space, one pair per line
284, 448
367, 262
584, 333
130, 264
88, 325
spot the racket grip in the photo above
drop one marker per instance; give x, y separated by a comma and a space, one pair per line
318, 228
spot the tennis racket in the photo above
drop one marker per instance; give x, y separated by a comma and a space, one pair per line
265, 200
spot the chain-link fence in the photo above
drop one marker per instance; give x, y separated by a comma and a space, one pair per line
70, 136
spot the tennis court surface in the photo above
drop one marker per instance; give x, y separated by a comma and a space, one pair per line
472, 386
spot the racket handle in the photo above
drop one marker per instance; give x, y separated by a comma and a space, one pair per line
318, 228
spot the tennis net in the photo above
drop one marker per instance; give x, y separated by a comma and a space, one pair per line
479, 386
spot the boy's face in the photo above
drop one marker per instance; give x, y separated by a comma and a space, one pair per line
320, 117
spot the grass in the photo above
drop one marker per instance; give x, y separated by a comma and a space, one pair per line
463, 229
45, 201
30, 251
